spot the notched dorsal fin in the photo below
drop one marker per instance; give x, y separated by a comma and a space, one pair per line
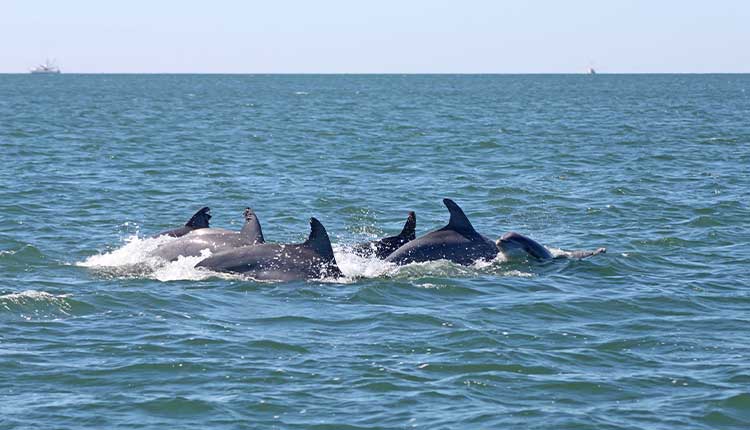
458, 221
410, 227
318, 240
251, 231
200, 219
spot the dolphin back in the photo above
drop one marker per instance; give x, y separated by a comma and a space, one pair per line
458, 242
312, 259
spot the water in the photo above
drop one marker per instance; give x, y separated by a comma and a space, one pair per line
653, 334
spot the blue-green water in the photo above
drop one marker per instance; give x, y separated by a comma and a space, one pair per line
654, 334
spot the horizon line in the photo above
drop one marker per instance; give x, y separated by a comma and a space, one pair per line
384, 73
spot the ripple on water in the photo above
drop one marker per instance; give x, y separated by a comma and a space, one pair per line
651, 335
32, 305
176, 407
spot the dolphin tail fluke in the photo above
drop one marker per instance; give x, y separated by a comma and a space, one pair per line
458, 221
200, 219
410, 227
251, 231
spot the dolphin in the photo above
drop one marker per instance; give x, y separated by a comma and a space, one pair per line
457, 242
513, 244
312, 259
213, 239
197, 221
460, 243
382, 248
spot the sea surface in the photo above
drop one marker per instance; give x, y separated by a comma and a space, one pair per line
654, 334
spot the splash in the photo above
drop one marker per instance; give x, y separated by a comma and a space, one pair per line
135, 260
135, 251
356, 266
183, 269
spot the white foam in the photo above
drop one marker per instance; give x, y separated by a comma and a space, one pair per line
32, 294
183, 269
137, 254
518, 274
37, 302
135, 251
355, 266
484, 264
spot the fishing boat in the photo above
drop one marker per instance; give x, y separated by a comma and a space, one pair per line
46, 68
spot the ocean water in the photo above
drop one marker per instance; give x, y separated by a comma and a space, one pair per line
655, 334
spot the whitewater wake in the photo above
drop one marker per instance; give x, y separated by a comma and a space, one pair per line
135, 259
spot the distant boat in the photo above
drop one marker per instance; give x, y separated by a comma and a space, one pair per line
592, 71
46, 69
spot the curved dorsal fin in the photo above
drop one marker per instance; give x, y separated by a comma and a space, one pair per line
318, 240
410, 227
458, 221
251, 231
200, 219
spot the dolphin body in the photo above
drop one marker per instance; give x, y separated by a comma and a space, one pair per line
382, 248
312, 259
460, 243
513, 244
213, 239
199, 220
457, 242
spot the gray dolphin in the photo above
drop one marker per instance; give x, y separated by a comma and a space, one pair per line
457, 242
513, 244
312, 259
197, 221
213, 239
382, 248
460, 243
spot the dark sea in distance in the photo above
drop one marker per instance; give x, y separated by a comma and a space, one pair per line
654, 334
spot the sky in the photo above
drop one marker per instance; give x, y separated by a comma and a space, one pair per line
376, 36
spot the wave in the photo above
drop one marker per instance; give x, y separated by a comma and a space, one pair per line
32, 304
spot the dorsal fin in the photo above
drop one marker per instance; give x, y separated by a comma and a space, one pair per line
458, 221
318, 240
410, 227
200, 219
251, 231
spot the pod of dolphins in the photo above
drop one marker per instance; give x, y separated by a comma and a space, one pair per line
247, 252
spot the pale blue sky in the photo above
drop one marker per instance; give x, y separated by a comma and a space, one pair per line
391, 36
